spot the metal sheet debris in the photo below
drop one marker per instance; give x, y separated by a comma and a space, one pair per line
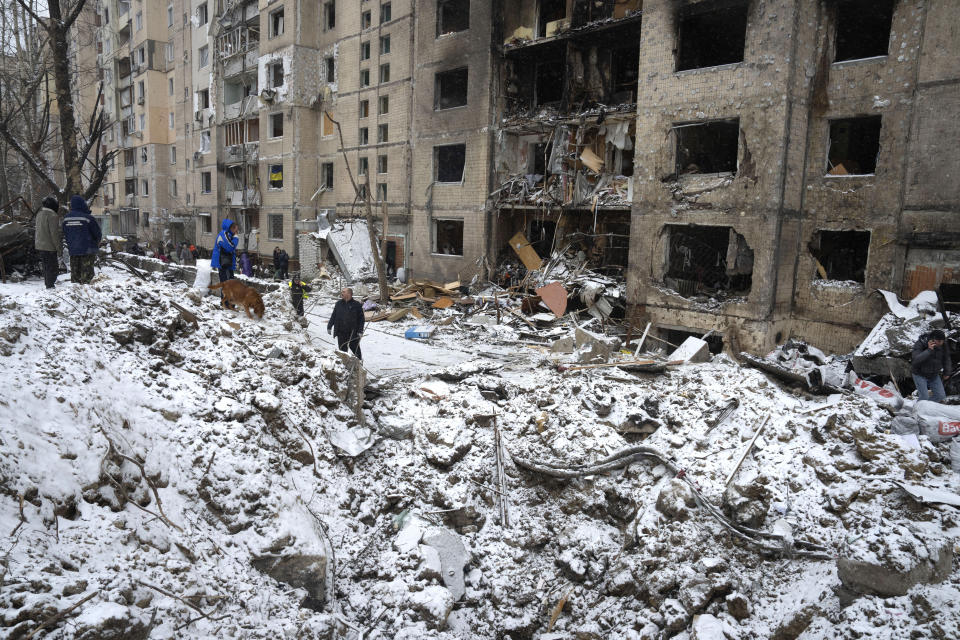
555, 297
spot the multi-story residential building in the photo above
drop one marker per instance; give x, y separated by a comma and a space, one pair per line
752, 167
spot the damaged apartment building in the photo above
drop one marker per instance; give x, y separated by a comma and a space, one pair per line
757, 169
752, 168
793, 157
566, 138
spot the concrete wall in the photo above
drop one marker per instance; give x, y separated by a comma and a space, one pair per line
786, 92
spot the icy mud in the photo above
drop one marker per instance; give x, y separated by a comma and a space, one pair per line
165, 480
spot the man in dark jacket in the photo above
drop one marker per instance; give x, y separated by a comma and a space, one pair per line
930, 358
284, 263
48, 239
83, 240
276, 263
346, 322
224, 257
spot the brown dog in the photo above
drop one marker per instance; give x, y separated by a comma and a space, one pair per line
235, 292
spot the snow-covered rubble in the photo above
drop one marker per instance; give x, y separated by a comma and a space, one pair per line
183, 480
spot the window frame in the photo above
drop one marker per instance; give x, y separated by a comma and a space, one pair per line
270, 171
438, 93
436, 164
272, 119
272, 25
271, 218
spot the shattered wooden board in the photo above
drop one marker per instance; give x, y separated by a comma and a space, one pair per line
555, 297
527, 254
443, 303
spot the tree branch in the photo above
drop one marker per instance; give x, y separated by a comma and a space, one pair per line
74, 14
28, 157
33, 14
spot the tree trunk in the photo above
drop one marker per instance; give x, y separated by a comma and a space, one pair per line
64, 97
377, 258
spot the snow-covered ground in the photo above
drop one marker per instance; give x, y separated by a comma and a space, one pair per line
172, 481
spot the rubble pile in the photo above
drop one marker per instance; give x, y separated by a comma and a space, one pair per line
231, 479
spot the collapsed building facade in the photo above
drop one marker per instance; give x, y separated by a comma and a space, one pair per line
754, 168
780, 160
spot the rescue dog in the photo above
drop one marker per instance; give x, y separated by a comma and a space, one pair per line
235, 292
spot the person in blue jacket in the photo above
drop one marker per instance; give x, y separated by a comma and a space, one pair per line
224, 256
82, 233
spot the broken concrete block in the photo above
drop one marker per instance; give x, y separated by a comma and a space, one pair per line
691, 350
748, 500
433, 604
675, 617
429, 564
563, 345
300, 570
676, 500
594, 348
452, 556
738, 606
889, 563
708, 627
111, 620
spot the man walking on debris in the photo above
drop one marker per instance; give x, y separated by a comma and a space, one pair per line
346, 322
297, 288
83, 240
224, 256
48, 240
930, 358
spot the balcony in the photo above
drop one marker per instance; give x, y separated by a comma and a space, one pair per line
245, 108
243, 198
241, 63
238, 153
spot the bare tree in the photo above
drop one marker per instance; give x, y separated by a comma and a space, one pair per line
43, 92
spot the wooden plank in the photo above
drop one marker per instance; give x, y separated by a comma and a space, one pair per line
527, 254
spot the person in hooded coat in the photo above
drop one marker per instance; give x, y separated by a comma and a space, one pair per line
83, 240
224, 257
48, 239
930, 364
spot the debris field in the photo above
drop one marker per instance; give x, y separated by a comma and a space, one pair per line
172, 474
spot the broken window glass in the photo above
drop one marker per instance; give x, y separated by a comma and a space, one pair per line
449, 161
448, 237
452, 16
840, 255
863, 28
854, 146
707, 260
451, 89
709, 147
711, 34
